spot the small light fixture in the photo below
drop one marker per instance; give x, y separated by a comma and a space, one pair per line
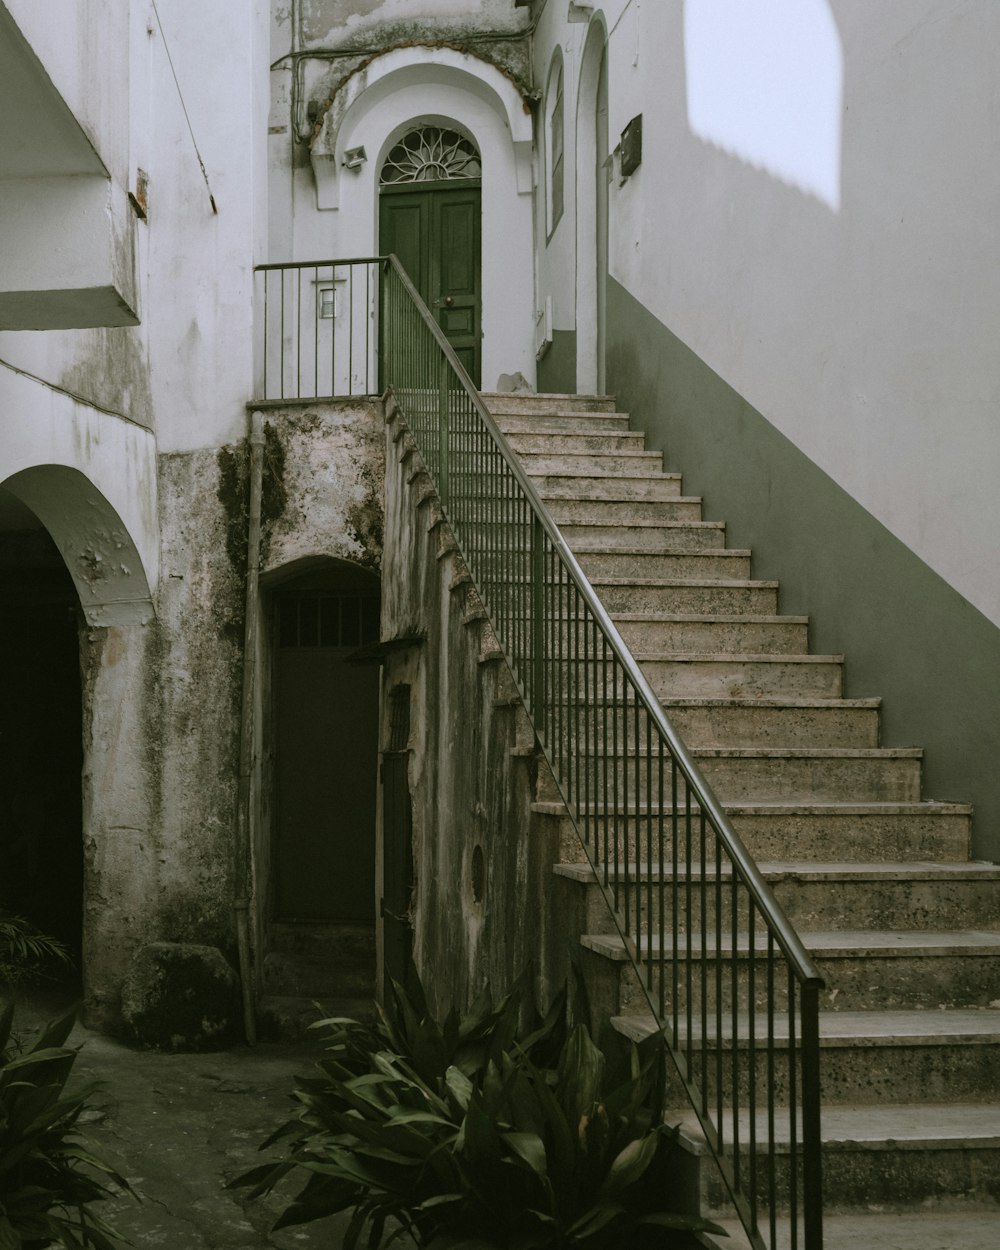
327, 303
354, 158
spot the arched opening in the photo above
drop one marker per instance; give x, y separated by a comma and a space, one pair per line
430, 216
593, 174
322, 752
41, 733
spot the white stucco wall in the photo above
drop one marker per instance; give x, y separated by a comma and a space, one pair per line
187, 369
320, 210
835, 262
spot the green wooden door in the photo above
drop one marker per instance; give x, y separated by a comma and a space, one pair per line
436, 234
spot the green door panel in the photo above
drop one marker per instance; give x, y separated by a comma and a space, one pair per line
436, 233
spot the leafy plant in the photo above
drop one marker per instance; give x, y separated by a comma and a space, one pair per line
25, 951
48, 1177
481, 1133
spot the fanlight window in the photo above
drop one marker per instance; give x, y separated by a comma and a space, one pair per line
431, 154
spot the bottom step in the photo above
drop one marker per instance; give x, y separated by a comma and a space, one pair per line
875, 1230
886, 1158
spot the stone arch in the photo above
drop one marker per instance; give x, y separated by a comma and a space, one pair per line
93, 540
405, 87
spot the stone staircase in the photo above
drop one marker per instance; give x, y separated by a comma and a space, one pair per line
878, 881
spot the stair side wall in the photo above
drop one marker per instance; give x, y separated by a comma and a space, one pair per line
482, 875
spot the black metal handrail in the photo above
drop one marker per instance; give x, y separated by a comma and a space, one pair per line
719, 966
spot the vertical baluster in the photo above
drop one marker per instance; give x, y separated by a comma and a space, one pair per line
316, 299
616, 715
298, 333
772, 1094
371, 327
812, 1160
622, 766
281, 359
751, 1053
606, 814
350, 329
734, 932
720, 1086
793, 1134
703, 924
661, 869
267, 329
675, 899
688, 933
649, 850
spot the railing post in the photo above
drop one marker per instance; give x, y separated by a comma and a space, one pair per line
812, 1150
444, 370
538, 623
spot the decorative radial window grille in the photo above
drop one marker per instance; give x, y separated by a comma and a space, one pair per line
431, 154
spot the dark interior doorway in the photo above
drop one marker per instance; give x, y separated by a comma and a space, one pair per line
41, 750
325, 732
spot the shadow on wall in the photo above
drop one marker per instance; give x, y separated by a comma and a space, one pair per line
765, 82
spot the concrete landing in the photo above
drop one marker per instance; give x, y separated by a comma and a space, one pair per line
928, 1230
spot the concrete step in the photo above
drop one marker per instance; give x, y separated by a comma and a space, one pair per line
715, 596
664, 536
721, 722
775, 722
864, 970
718, 675
545, 404
866, 1056
578, 465
576, 442
925, 1228
727, 632
870, 833
318, 977
610, 512
726, 565
813, 896
603, 483
881, 1158
763, 774
563, 423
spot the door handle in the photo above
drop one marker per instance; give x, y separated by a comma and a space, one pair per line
445, 301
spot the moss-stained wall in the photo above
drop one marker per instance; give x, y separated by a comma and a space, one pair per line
162, 701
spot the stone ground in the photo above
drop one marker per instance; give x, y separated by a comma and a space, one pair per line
179, 1126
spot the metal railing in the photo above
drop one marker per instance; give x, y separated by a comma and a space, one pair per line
317, 329
723, 973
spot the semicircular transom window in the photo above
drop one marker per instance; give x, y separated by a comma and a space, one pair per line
431, 154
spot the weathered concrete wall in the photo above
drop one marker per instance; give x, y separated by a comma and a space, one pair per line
483, 884
162, 700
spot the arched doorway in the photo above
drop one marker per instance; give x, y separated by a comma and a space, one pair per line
41, 734
430, 216
593, 175
323, 753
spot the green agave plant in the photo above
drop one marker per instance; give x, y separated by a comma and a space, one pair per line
478, 1133
48, 1178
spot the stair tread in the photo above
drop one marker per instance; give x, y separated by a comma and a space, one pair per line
778, 808
721, 618
724, 583
810, 870
843, 1028
739, 657
835, 942
884, 1126
729, 553
654, 524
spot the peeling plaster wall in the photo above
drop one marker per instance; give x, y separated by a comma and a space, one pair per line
333, 481
473, 767
162, 700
